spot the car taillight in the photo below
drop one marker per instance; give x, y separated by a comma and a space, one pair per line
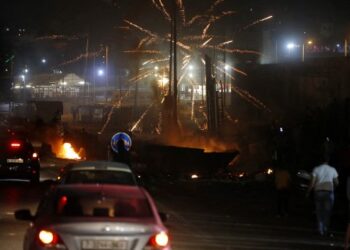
15, 145
50, 240
158, 241
35, 155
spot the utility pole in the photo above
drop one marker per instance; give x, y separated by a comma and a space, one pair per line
345, 47
85, 69
175, 60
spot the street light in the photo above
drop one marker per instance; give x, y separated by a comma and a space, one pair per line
227, 67
26, 70
43, 60
290, 46
100, 72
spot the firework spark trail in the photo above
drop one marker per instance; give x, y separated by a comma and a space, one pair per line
224, 43
234, 69
143, 41
206, 42
140, 76
184, 46
257, 21
207, 14
240, 51
150, 41
137, 123
245, 94
239, 71
216, 3
248, 97
162, 9
181, 78
140, 51
56, 37
152, 61
224, 71
81, 56
115, 106
213, 19
195, 18
150, 33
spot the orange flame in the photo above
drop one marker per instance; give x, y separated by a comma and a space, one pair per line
68, 152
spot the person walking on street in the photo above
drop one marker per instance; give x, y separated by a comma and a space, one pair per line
324, 178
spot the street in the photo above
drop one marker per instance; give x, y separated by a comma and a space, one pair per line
195, 222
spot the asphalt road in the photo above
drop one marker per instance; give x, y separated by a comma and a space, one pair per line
198, 220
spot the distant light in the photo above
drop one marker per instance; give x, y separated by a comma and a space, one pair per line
156, 67
23, 77
227, 67
28, 86
156, 75
17, 87
100, 72
281, 130
26, 70
81, 82
190, 67
43, 60
194, 176
310, 42
338, 45
165, 80
269, 171
290, 45
64, 83
190, 75
6, 70
7, 29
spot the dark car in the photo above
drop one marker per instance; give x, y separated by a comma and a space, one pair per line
18, 159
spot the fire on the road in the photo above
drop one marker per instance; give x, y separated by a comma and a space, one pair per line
67, 152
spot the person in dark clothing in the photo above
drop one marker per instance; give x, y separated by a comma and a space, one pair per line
122, 155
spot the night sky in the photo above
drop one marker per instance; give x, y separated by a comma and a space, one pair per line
327, 21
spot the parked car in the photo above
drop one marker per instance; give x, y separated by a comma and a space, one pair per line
87, 217
103, 172
18, 159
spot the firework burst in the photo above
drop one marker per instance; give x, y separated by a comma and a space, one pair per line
194, 40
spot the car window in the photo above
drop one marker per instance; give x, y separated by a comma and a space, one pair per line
99, 176
100, 206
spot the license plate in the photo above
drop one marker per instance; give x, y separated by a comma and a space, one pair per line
19, 160
104, 244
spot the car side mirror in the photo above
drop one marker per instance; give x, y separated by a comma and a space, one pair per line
164, 216
24, 214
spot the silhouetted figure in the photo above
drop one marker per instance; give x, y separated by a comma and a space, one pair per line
122, 155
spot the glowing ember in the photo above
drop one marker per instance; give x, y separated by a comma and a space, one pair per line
68, 152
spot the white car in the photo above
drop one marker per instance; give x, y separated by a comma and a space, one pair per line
94, 217
97, 172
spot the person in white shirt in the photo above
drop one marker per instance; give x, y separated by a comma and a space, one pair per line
323, 181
